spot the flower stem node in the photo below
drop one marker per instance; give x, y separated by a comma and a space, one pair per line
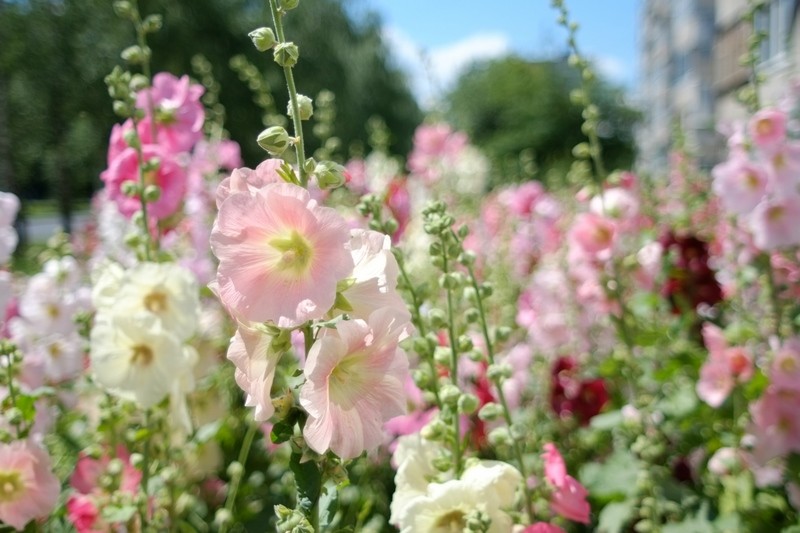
274, 140
305, 106
329, 175
263, 38
286, 54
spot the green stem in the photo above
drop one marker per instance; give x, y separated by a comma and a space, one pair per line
775, 300
517, 448
145, 470
11, 392
451, 334
296, 121
244, 452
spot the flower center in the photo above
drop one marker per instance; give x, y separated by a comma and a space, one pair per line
752, 181
764, 127
295, 253
775, 213
10, 486
141, 355
453, 521
156, 302
788, 365
55, 350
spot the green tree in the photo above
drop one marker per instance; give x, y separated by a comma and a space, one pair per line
519, 112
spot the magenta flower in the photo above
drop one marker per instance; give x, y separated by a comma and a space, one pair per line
28, 488
170, 178
280, 254
354, 384
179, 114
569, 496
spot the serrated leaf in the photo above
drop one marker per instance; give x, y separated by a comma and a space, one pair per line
329, 505
308, 480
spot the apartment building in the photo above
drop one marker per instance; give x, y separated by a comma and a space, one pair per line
691, 71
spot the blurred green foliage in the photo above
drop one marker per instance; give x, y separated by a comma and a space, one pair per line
520, 113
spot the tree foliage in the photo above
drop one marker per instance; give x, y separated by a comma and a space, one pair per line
55, 53
519, 112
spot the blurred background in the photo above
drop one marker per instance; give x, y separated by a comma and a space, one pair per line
500, 73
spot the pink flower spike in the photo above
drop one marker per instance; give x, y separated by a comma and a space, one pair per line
280, 254
768, 128
28, 488
785, 369
354, 384
593, 233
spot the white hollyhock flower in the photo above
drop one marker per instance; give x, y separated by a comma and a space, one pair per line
166, 290
414, 458
485, 489
62, 356
134, 357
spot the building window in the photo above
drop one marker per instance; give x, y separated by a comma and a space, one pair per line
774, 18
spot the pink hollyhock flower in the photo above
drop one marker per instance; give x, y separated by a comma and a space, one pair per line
767, 128
434, 145
245, 180
373, 282
740, 184
28, 488
776, 223
86, 476
255, 367
170, 178
784, 372
784, 169
280, 254
776, 424
725, 366
398, 200
354, 384
179, 114
542, 527
569, 496
593, 233
524, 198
83, 514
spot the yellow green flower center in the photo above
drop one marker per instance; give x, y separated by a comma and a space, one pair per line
295, 253
11, 486
156, 302
141, 355
453, 521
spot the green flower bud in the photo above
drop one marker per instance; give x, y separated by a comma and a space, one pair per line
490, 411
223, 516
122, 109
274, 140
263, 38
152, 193
139, 82
235, 469
130, 188
136, 55
467, 404
437, 317
499, 437
286, 54
152, 23
288, 5
450, 394
305, 105
329, 175
499, 371
123, 8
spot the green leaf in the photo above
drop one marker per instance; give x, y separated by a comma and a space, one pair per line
607, 421
614, 479
116, 514
615, 516
329, 505
308, 479
696, 524
207, 432
281, 432
680, 403
26, 405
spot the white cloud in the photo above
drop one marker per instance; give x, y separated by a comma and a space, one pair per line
613, 69
433, 72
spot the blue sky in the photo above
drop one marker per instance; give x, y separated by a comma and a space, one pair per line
452, 33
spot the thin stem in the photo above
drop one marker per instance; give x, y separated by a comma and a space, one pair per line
244, 452
145, 470
518, 452
11, 392
296, 121
772, 286
451, 334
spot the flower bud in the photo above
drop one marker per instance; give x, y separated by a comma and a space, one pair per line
263, 39
152, 193
235, 470
305, 105
130, 188
136, 55
122, 109
490, 411
152, 23
499, 371
123, 8
274, 140
467, 404
449, 394
288, 5
286, 54
329, 175
138, 82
